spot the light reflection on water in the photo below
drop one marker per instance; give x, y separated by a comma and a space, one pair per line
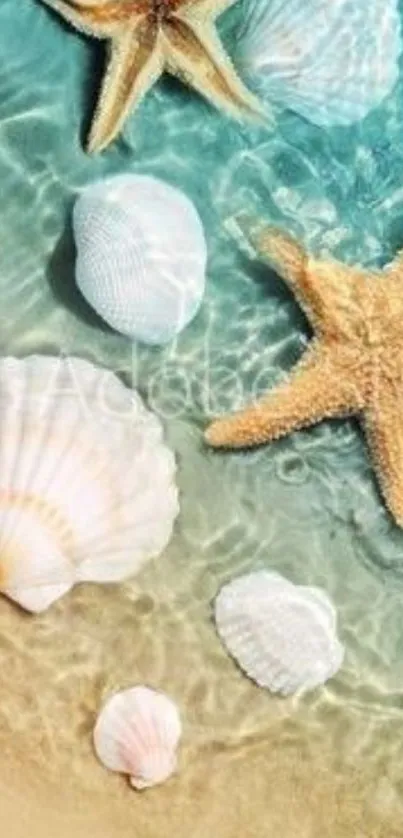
307, 507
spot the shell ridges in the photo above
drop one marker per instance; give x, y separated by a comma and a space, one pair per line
137, 733
141, 256
87, 485
283, 636
332, 72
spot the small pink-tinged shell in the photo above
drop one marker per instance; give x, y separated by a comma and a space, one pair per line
137, 733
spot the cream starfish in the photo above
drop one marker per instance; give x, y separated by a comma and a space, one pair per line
147, 38
354, 365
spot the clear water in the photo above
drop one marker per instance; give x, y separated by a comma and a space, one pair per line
307, 507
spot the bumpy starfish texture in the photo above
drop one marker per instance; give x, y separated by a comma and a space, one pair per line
148, 37
353, 366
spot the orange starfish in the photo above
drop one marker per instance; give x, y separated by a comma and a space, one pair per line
353, 366
147, 38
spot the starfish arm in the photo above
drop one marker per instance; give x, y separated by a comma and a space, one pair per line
316, 390
135, 64
195, 54
383, 423
325, 290
100, 20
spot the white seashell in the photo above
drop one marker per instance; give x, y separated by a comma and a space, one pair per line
331, 61
87, 489
138, 733
141, 256
282, 635
326, 607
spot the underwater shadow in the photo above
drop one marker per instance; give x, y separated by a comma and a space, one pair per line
95, 71
94, 66
61, 278
273, 286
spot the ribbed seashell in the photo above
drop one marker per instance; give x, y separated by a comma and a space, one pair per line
141, 256
87, 485
332, 61
137, 733
282, 635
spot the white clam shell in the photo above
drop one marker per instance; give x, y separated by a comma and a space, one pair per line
282, 635
137, 733
141, 256
331, 61
87, 485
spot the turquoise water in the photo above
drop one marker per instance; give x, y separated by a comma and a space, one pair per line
308, 506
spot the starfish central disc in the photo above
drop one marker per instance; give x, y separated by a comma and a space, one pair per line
148, 38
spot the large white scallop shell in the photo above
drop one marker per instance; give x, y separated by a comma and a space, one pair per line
331, 61
141, 256
282, 635
87, 485
137, 733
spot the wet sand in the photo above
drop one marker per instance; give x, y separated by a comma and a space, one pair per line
287, 798
250, 763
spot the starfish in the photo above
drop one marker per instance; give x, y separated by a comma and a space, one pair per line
148, 37
353, 365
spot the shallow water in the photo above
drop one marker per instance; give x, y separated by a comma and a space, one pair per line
307, 507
